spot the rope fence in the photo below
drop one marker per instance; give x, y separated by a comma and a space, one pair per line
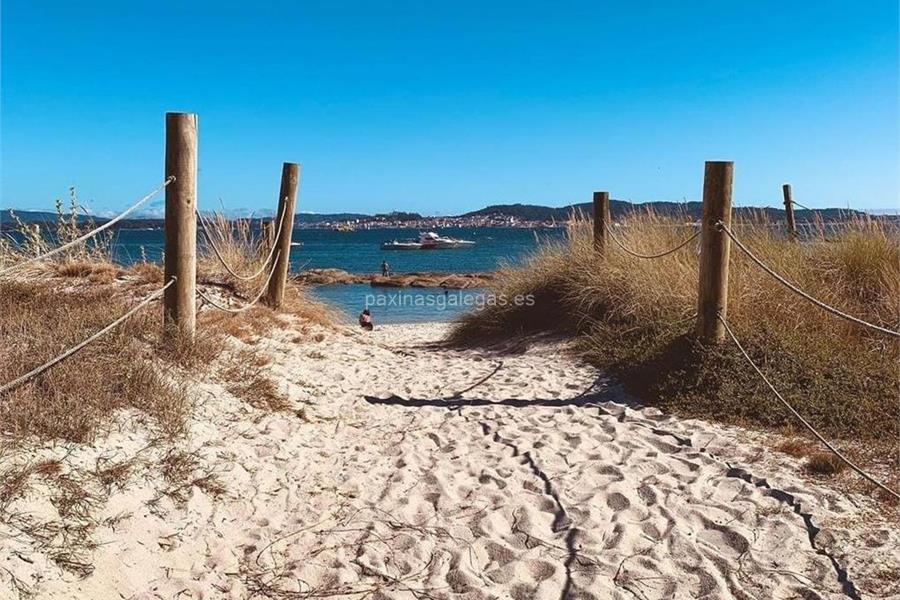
19, 381
651, 256
799, 417
722, 227
715, 233
179, 306
250, 304
218, 253
89, 234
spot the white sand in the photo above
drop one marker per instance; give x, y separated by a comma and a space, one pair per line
556, 489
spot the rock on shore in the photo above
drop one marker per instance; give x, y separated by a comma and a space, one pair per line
413, 279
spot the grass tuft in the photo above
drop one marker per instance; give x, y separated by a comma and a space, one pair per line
825, 463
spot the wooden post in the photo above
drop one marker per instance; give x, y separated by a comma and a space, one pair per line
179, 307
789, 209
287, 198
715, 248
601, 221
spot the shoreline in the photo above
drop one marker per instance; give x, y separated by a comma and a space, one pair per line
416, 279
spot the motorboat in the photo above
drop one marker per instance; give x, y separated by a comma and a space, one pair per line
427, 241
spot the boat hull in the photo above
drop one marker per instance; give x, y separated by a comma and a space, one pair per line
390, 246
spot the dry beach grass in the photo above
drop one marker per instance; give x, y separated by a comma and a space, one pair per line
73, 400
634, 317
61, 302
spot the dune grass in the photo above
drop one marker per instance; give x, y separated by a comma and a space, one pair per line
240, 247
54, 304
634, 318
72, 400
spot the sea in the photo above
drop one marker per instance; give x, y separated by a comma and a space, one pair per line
360, 252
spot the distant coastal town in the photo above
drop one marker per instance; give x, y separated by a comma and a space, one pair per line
428, 223
522, 216
527, 216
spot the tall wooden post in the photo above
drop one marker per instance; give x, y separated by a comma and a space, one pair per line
715, 248
789, 209
601, 221
179, 307
287, 199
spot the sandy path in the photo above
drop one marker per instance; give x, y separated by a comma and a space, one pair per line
539, 482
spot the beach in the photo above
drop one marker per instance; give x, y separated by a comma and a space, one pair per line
455, 301
404, 469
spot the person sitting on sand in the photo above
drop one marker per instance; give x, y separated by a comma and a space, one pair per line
365, 320
385, 268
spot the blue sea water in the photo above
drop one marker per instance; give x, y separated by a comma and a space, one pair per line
400, 305
360, 252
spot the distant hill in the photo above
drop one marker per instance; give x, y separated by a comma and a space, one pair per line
323, 218
618, 208
33, 216
400, 216
522, 212
622, 208
308, 218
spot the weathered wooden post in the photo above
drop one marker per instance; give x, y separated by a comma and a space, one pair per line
789, 209
179, 307
715, 248
601, 221
287, 198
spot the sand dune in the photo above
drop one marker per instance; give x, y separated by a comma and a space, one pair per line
412, 472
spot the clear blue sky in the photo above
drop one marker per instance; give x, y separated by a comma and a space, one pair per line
441, 107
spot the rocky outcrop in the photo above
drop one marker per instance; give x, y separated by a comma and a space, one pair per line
416, 279
329, 276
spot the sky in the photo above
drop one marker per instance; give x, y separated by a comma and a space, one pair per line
444, 107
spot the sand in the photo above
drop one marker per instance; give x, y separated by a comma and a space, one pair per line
405, 471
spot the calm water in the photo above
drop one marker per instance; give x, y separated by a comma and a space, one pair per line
360, 252
399, 305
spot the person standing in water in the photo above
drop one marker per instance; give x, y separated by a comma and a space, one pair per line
385, 268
